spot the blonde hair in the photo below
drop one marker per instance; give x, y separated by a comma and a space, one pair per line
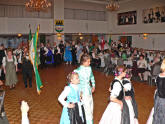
163, 66
71, 75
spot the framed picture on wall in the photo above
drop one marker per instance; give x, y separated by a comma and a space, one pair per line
127, 18
154, 15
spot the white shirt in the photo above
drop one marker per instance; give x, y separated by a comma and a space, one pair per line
9, 60
142, 63
65, 93
116, 88
127, 86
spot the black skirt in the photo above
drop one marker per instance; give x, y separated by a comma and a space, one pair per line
141, 70
74, 115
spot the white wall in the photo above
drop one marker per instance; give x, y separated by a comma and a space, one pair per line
21, 25
140, 27
83, 5
85, 26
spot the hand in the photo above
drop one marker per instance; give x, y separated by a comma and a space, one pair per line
71, 105
24, 107
16, 69
121, 104
110, 89
1, 83
127, 98
93, 89
81, 95
4, 71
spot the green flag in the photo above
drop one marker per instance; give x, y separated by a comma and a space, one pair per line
33, 58
110, 40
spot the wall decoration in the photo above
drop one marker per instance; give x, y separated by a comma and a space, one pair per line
127, 18
154, 15
59, 25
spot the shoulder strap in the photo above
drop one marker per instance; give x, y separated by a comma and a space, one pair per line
117, 81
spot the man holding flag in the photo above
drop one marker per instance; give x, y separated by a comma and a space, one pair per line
33, 57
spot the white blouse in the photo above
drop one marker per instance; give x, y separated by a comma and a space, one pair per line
116, 88
127, 86
65, 93
142, 63
9, 60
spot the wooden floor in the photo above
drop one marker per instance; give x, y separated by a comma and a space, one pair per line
45, 108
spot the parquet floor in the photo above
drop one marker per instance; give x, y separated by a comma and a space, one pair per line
45, 109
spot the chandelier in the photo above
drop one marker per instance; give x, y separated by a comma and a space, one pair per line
37, 5
113, 5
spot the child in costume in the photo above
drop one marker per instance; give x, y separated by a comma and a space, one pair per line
113, 112
73, 111
130, 99
86, 76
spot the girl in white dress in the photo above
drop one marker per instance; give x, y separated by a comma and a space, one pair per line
113, 112
130, 99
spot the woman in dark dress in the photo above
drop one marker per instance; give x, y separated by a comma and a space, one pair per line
159, 106
74, 51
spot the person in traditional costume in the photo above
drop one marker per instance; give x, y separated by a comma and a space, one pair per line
43, 51
79, 51
27, 68
10, 69
62, 47
2, 54
86, 76
57, 54
158, 112
49, 55
130, 98
74, 51
68, 54
73, 110
114, 110
18, 53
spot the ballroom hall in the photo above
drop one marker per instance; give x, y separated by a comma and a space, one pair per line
42, 43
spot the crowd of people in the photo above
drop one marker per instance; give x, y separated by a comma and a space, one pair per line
115, 58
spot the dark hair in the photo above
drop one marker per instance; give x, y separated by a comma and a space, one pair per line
84, 58
9, 50
70, 76
142, 56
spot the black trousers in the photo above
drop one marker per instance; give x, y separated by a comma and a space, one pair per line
27, 75
42, 60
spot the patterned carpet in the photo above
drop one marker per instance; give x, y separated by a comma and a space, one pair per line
45, 108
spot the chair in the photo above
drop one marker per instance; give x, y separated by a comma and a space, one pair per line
154, 73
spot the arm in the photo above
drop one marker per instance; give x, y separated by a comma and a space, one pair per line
93, 81
115, 93
24, 110
15, 62
63, 96
117, 101
4, 64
